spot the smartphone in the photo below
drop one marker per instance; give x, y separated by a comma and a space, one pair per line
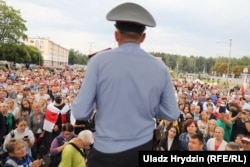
26, 137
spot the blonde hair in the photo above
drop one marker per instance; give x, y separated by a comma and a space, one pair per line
36, 104
207, 130
10, 145
12, 105
221, 129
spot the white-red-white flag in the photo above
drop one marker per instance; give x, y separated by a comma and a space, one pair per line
52, 114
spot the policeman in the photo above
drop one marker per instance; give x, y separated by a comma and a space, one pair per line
129, 88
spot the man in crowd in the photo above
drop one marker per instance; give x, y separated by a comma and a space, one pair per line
196, 142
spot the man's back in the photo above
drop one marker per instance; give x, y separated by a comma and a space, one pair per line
128, 84
129, 89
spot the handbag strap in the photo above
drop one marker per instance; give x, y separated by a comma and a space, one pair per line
77, 149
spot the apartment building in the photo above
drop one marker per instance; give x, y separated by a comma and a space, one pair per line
53, 54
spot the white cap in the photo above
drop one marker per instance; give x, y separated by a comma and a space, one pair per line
131, 12
246, 139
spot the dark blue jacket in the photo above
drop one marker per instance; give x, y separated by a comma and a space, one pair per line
25, 162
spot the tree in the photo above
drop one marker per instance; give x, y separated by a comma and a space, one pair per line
244, 61
35, 55
75, 57
237, 70
12, 28
222, 68
20, 53
12, 25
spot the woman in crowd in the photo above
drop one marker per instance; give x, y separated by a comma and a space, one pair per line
187, 116
190, 127
217, 143
203, 122
36, 125
25, 109
170, 141
18, 156
209, 131
72, 155
13, 108
186, 108
31, 97
43, 104
8, 117
60, 142
22, 131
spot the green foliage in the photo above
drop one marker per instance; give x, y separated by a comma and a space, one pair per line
35, 55
189, 64
20, 53
237, 70
193, 64
75, 57
12, 28
12, 25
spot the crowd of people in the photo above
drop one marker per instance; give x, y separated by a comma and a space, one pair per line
35, 107
130, 96
219, 117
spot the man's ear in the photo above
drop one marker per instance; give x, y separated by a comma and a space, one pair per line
117, 36
143, 36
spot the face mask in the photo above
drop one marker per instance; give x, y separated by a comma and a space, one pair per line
58, 101
234, 112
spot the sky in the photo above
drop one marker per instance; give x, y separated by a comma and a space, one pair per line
184, 27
